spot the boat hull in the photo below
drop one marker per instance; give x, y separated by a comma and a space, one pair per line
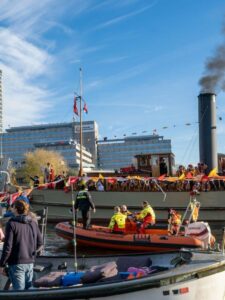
198, 290
98, 237
59, 204
202, 278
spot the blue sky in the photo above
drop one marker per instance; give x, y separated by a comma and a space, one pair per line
141, 61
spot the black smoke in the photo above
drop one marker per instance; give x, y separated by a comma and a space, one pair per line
213, 79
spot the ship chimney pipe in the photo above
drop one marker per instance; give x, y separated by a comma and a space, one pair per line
207, 130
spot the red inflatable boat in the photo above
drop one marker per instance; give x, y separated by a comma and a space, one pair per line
154, 240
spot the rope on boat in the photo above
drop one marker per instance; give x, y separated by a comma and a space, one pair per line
160, 188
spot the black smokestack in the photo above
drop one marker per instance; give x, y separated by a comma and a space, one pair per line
207, 130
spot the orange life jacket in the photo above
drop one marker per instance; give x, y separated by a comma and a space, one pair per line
176, 219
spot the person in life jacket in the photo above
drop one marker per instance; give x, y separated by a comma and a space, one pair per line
118, 221
195, 211
145, 217
125, 211
130, 222
174, 220
84, 203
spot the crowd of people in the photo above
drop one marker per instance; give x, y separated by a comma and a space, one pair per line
186, 179
154, 185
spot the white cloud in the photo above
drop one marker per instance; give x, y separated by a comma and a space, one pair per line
23, 16
124, 17
21, 62
156, 108
23, 103
112, 60
21, 55
93, 84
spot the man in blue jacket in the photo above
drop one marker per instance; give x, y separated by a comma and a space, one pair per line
22, 240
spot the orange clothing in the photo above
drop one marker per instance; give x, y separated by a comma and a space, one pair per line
51, 174
176, 219
174, 222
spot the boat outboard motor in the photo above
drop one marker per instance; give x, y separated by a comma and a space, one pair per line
201, 231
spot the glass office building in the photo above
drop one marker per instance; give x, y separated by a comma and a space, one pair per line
118, 153
62, 137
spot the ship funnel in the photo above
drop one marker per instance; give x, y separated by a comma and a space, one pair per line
207, 130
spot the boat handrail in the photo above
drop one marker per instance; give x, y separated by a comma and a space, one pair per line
8, 176
192, 205
223, 241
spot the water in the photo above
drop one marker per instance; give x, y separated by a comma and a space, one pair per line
55, 245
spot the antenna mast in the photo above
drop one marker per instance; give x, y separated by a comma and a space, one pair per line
81, 133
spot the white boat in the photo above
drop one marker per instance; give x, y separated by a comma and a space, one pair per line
189, 275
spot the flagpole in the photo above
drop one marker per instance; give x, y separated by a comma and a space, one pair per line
74, 229
81, 135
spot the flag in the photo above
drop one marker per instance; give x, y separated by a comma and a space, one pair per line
213, 173
72, 179
182, 177
161, 177
204, 178
100, 176
75, 110
85, 108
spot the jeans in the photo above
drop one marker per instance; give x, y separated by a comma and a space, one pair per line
21, 276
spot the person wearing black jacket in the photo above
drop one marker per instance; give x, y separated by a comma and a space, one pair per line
84, 203
22, 241
35, 180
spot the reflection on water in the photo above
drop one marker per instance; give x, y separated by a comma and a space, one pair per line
56, 245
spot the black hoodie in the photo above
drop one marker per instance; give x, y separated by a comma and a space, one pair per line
22, 239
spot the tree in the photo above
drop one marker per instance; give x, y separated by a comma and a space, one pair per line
36, 161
